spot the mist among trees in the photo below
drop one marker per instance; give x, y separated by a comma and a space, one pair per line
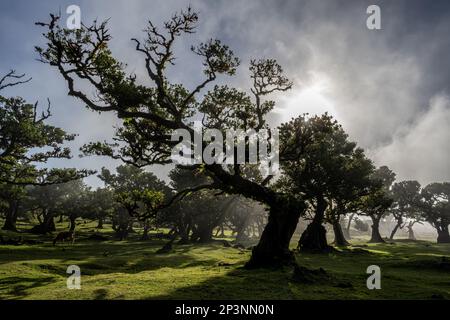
329, 197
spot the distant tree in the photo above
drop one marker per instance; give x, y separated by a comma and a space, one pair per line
77, 202
347, 189
348, 222
69, 199
405, 195
435, 207
245, 219
360, 225
376, 204
10, 199
103, 205
25, 141
410, 224
152, 113
326, 169
140, 193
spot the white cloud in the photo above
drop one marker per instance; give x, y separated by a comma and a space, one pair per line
421, 151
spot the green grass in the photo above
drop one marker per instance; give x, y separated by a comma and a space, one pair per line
132, 270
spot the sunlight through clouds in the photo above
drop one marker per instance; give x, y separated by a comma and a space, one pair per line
311, 98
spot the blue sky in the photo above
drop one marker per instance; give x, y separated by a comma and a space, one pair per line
389, 88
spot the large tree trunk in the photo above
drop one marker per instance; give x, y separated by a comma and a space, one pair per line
339, 238
11, 216
314, 237
273, 247
376, 237
443, 235
397, 226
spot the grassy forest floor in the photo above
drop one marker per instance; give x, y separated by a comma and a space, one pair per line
133, 270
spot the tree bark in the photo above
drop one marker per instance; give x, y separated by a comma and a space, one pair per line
376, 237
339, 238
273, 247
314, 237
11, 216
443, 234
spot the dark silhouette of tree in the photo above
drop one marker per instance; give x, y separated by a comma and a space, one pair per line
405, 195
11, 197
376, 204
199, 213
152, 113
435, 207
246, 219
103, 205
138, 192
71, 199
26, 140
326, 169
351, 182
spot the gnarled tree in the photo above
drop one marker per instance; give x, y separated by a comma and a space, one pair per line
151, 114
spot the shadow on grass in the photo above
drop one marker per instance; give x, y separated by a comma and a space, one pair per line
237, 283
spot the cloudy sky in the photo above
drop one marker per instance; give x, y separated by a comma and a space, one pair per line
389, 88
